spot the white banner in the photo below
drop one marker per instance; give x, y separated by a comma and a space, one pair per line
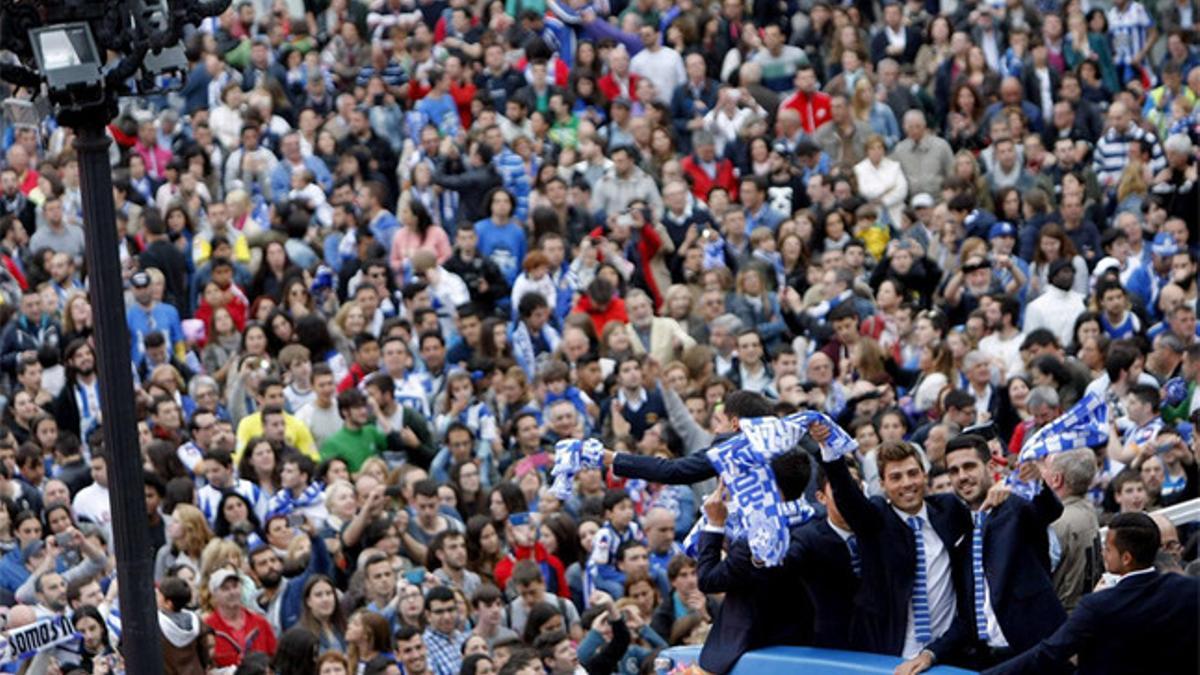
26, 641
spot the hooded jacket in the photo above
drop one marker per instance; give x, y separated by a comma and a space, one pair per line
183, 650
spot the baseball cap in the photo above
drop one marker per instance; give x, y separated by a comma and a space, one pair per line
922, 201
521, 518
782, 148
31, 549
1002, 229
219, 578
1164, 245
623, 102
140, 280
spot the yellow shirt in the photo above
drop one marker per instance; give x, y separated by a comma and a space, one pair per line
202, 248
295, 434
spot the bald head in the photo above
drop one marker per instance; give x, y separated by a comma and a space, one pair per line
660, 529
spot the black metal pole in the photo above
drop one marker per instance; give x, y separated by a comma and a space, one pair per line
135, 567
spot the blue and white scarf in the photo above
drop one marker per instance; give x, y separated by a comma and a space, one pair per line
797, 512
524, 351
570, 457
1083, 426
283, 503
743, 463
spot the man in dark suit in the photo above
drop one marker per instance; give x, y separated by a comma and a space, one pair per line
763, 605
894, 39
824, 554
692, 100
1144, 622
910, 544
1012, 605
694, 467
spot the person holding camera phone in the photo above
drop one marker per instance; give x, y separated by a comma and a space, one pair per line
46, 588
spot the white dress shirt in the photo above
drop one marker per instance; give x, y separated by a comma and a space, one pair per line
939, 586
995, 634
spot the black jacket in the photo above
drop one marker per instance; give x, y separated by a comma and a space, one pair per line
484, 280
169, 260
880, 617
1147, 623
1016, 564
764, 606
470, 182
820, 557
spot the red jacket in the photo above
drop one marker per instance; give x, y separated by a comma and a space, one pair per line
354, 375
463, 94
648, 245
549, 563
813, 108
233, 645
608, 86
614, 311
702, 183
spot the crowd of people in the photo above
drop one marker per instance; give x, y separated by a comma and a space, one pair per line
382, 256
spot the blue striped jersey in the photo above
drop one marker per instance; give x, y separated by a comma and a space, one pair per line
1128, 30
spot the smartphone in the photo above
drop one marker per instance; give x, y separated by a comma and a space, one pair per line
64, 539
987, 430
296, 519
394, 491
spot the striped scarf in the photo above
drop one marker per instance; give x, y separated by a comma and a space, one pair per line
283, 503
1083, 426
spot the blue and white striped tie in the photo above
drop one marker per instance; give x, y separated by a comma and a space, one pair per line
977, 575
920, 596
855, 556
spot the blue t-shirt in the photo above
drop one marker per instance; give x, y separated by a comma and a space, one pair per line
162, 318
504, 245
442, 113
384, 228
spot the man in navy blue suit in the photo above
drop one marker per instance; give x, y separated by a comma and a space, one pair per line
763, 605
1008, 603
824, 554
694, 467
910, 545
1144, 622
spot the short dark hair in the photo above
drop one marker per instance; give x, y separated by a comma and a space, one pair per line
614, 497
351, 398
1121, 356
486, 594
525, 572
304, 463
793, 470
530, 303
893, 452
970, 442
427, 487
1137, 535
546, 642
1146, 393
1040, 337
842, 312
438, 594
746, 404
957, 398
626, 545
678, 564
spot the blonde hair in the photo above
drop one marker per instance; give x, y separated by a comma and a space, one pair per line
195, 530
862, 105
1132, 182
68, 321
218, 554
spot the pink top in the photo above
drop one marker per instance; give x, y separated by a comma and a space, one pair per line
406, 241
